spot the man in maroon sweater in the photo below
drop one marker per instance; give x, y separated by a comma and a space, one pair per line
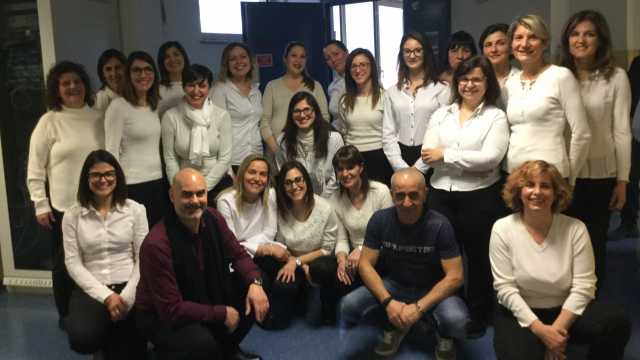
198, 286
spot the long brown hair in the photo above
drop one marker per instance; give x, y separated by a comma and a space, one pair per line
349, 98
428, 61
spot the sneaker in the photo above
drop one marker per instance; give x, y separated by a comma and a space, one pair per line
445, 348
390, 342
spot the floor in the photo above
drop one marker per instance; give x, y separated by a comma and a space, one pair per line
28, 326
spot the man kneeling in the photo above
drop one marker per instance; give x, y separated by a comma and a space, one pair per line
192, 306
423, 269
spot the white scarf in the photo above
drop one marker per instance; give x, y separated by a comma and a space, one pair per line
199, 119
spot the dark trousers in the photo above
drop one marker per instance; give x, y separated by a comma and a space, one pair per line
377, 165
590, 204
212, 194
410, 154
629, 213
90, 329
282, 296
472, 214
154, 195
61, 281
323, 272
196, 340
605, 328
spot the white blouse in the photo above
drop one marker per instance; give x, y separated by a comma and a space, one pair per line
170, 96
472, 151
104, 97
538, 112
406, 118
253, 225
245, 112
336, 89
101, 251
608, 106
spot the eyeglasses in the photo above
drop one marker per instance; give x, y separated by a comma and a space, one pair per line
400, 196
362, 65
108, 175
304, 111
298, 181
415, 52
139, 70
474, 80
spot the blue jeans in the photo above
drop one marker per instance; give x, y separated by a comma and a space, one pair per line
449, 317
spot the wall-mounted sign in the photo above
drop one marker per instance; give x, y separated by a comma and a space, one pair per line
264, 60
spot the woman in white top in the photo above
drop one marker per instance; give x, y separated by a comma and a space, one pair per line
409, 104
606, 95
335, 55
542, 102
197, 134
355, 202
307, 226
278, 94
61, 140
132, 130
172, 60
494, 43
361, 109
111, 74
237, 92
543, 270
308, 138
102, 237
465, 143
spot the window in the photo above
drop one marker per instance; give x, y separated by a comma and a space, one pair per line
221, 21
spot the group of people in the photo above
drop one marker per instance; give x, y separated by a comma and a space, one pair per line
393, 203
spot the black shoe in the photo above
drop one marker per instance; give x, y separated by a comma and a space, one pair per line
475, 329
242, 355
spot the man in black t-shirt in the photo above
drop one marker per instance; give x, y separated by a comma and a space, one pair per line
424, 270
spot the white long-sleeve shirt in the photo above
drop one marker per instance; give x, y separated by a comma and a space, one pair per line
608, 106
245, 113
335, 90
558, 272
321, 170
352, 221
58, 147
406, 118
318, 232
176, 140
538, 113
170, 96
253, 225
104, 97
133, 137
101, 251
364, 123
472, 151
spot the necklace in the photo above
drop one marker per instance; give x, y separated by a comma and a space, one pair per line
527, 84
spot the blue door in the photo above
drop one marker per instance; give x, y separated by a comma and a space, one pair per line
268, 27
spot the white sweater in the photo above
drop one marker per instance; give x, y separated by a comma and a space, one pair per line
58, 147
538, 114
318, 232
364, 124
104, 97
608, 106
176, 139
353, 222
170, 96
560, 272
253, 225
133, 137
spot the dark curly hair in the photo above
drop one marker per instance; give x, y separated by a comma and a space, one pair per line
54, 101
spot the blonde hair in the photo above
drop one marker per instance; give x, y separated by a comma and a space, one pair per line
520, 176
238, 184
533, 23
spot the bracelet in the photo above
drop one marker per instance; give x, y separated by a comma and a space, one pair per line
418, 307
386, 302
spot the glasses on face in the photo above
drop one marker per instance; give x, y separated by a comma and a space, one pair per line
362, 65
471, 80
107, 175
414, 196
415, 52
304, 111
297, 181
138, 70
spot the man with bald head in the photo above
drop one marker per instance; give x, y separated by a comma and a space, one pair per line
199, 290
423, 270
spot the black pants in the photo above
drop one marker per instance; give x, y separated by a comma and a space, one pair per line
90, 329
61, 281
323, 272
377, 165
591, 205
629, 213
154, 195
605, 328
196, 340
472, 214
224, 183
282, 296
410, 154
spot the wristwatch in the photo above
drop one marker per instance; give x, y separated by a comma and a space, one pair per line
298, 262
257, 281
